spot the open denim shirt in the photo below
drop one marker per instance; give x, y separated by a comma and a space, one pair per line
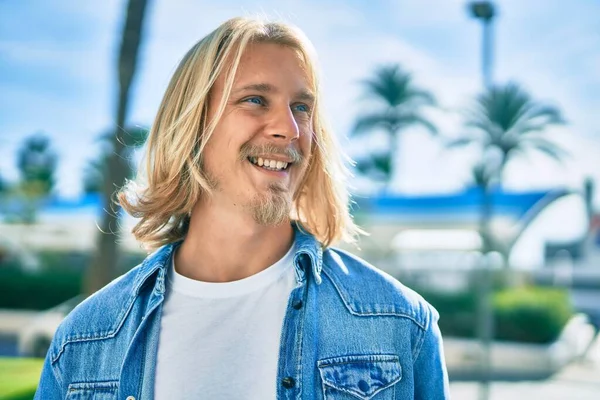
349, 332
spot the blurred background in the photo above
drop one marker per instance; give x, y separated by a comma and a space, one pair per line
473, 125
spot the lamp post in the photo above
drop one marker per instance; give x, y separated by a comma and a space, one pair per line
485, 12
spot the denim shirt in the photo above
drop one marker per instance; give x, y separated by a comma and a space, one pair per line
350, 332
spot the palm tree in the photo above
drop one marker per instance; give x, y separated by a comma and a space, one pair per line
93, 174
400, 103
37, 164
3, 184
104, 263
506, 121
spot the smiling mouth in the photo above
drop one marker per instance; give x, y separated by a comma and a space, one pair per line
269, 165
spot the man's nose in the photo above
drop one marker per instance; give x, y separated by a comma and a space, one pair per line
283, 125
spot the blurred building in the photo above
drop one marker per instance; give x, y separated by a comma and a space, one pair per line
407, 231
61, 224
442, 230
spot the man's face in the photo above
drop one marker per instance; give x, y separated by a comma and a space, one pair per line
259, 151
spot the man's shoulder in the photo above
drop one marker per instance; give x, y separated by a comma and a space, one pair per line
366, 290
100, 315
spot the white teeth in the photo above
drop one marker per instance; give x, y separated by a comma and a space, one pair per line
271, 164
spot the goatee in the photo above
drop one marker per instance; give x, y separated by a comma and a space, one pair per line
273, 208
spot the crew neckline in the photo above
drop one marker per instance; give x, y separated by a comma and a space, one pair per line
200, 289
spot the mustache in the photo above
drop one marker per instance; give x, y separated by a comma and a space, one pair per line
256, 150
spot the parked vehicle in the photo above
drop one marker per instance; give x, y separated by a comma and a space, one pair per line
35, 337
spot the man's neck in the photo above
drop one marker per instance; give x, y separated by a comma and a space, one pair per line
224, 247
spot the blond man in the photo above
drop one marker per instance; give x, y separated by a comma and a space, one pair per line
244, 298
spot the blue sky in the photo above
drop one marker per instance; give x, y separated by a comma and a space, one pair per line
57, 73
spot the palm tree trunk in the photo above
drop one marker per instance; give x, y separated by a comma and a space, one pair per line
485, 321
103, 267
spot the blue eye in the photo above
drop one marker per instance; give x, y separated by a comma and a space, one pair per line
254, 100
302, 108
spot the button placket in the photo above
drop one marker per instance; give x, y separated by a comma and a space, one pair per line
290, 373
297, 304
288, 382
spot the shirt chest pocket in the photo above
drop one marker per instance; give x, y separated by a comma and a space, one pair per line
363, 377
93, 391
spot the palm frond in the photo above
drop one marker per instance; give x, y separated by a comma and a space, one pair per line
416, 119
389, 84
382, 163
395, 88
510, 107
376, 166
537, 118
135, 136
480, 175
369, 122
421, 97
132, 137
364, 166
460, 142
508, 117
547, 147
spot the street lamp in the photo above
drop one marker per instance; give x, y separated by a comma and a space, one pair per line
482, 9
485, 11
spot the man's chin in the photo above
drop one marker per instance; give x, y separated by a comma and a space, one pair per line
271, 209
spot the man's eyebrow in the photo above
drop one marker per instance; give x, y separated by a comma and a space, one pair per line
303, 95
259, 87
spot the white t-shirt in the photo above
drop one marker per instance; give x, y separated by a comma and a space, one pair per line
221, 340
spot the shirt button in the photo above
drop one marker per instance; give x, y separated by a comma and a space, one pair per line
288, 382
297, 304
130, 398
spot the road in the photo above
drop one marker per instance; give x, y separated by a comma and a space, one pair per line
578, 381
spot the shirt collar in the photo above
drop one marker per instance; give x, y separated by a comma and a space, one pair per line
309, 256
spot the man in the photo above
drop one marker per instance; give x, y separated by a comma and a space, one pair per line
244, 298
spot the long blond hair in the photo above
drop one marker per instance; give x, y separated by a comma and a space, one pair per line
173, 180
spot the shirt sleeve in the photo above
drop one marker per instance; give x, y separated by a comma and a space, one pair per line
431, 376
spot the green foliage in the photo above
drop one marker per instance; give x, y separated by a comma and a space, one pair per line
103, 266
527, 314
3, 185
93, 175
37, 164
19, 377
132, 138
506, 119
506, 111
58, 280
39, 290
458, 312
25, 394
520, 312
